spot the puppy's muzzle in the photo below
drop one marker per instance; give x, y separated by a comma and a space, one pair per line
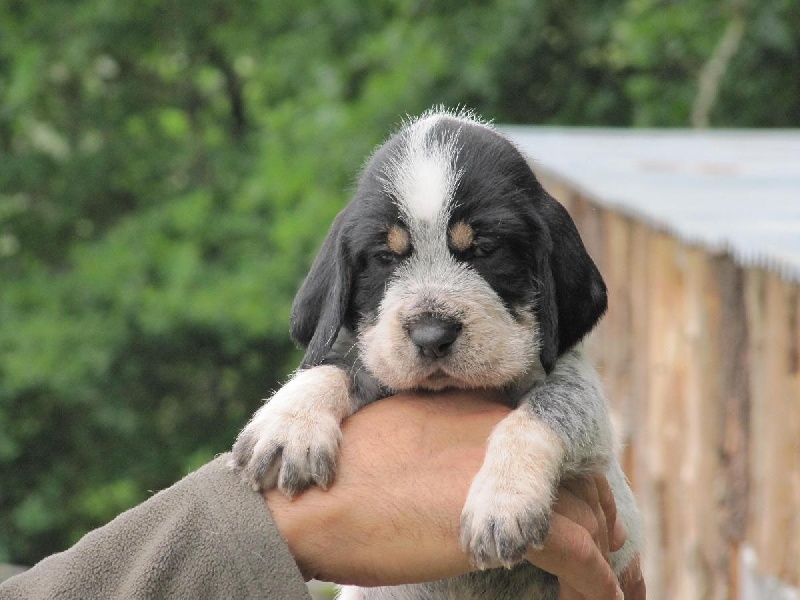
434, 335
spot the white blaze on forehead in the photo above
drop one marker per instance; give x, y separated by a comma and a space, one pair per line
422, 174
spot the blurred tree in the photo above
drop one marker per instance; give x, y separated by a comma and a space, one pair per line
167, 170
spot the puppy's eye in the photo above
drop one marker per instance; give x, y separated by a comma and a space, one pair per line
483, 248
385, 257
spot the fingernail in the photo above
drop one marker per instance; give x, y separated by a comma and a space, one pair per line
620, 595
620, 533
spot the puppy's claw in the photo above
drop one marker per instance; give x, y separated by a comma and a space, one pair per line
323, 468
291, 480
262, 470
242, 450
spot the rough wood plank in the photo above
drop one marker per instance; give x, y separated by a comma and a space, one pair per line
734, 409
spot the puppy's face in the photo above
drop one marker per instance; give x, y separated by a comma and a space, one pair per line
445, 295
443, 263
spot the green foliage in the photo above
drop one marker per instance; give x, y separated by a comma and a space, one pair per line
167, 170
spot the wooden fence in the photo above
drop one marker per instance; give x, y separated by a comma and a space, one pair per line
701, 361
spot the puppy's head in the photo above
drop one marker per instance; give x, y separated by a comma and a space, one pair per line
452, 264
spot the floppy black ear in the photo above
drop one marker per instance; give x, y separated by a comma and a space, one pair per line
320, 305
572, 293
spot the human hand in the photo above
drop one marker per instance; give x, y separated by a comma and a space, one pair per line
392, 514
587, 517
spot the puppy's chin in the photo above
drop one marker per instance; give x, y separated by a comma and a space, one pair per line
422, 379
438, 381
399, 368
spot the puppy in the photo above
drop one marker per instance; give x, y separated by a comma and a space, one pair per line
452, 268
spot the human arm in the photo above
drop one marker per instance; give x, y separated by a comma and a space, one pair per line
392, 515
207, 536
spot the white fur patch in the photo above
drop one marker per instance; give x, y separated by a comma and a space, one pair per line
297, 430
510, 500
422, 175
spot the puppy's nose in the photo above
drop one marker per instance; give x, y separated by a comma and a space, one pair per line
434, 336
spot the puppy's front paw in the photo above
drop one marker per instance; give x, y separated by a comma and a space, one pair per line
292, 441
509, 504
288, 450
502, 519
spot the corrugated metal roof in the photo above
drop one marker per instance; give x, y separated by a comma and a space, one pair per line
737, 190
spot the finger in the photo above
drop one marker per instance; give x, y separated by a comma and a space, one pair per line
617, 533
571, 503
567, 592
571, 554
632, 582
586, 489
599, 506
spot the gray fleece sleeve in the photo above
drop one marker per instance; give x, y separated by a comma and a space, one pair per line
207, 536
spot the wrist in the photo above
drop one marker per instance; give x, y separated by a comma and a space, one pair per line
304, 524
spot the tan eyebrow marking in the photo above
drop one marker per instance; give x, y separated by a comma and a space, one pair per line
461, 236
398, 240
